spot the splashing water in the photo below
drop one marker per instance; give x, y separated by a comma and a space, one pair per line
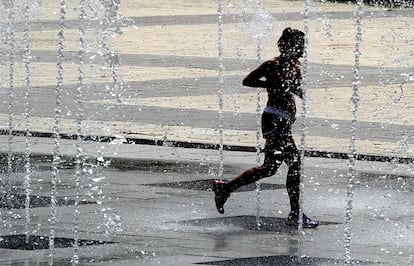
110, 22
165, 132
10, 39
352, 151
261, 25
258, 148
56, 132
220, 88
79, 117
260, 13
326, 26
110, 57
304, 126
27, 61
5, 184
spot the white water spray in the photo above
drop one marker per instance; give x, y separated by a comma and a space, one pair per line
220, 89
27, 60
10, 39
56, 132
79, 118
110, 57
259, 29
259, 39
304, 126
352, 151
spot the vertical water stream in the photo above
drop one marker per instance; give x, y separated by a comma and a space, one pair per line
259, 40
304, 126
27, 58
79, 118
10, 39
5, 183
56, 131
352, 151
110, 57
220, 89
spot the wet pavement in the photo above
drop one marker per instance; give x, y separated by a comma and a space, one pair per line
152, 204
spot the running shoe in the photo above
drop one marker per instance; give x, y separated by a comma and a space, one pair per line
306, 222
221, 194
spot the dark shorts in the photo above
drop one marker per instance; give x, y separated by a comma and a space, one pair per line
275, 126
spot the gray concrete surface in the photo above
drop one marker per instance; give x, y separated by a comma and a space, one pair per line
158, 209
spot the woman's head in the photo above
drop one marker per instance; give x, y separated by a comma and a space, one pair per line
291, 43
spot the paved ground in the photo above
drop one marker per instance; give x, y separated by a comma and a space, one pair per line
155, 203
169, 65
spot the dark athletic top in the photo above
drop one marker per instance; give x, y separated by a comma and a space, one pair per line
282, 79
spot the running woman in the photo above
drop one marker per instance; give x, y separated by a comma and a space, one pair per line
281, 78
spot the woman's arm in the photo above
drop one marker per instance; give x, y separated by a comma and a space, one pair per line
257, 78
